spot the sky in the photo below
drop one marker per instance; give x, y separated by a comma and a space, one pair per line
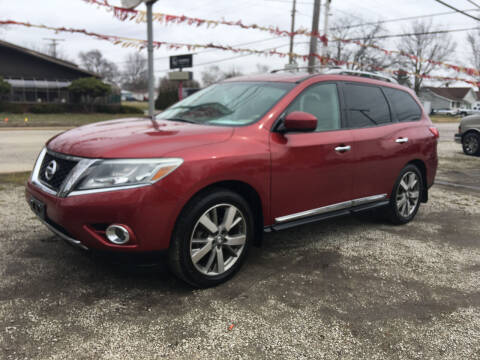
78, 14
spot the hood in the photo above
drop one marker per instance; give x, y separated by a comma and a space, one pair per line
136, 138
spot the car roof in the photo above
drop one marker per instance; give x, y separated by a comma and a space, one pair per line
284, 77
299, 77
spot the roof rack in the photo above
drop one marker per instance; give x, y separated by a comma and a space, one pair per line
340, 71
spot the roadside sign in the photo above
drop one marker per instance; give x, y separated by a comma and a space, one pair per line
181, 61
180, 75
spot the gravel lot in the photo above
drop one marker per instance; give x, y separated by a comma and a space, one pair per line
351, 288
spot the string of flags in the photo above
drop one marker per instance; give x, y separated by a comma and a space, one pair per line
139, 16
139, 43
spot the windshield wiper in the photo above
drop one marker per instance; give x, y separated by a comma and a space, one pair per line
182, 120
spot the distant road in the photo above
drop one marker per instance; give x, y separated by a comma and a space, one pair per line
19, 147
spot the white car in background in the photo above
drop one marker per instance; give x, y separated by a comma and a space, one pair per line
449, 112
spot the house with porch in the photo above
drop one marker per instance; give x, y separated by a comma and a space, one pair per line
449, 97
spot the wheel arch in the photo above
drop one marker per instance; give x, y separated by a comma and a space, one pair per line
423, 170
248, 192
473, 130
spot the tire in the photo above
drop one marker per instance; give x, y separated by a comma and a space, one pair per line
215, 228
406, 196
471, 143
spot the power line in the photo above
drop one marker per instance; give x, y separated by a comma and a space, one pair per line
457, 10
474, 3
397, 19
411, 34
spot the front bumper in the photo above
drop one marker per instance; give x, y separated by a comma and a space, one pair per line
458, 138
149, 211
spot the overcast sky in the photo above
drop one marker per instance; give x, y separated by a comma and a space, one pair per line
78, 14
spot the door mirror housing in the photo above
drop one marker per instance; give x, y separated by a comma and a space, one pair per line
299, 121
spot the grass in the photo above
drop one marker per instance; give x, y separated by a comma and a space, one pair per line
35, 120
445, 119
18, 178
142, 105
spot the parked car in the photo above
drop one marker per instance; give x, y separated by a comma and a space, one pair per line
209, 175
466, 112
449, 112
469, 135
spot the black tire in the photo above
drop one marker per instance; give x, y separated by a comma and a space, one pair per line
180, 253
471, 143
396, 213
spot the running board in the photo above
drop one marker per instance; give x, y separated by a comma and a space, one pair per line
325, 216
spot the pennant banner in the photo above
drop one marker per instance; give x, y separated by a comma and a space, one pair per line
141, 16
139, 44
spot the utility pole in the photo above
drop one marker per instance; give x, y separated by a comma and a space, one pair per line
313, 39
292, 31
53, 45
325, 31
151, 76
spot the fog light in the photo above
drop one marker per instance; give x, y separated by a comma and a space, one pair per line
118, 234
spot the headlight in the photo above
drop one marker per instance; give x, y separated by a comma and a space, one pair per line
125, 172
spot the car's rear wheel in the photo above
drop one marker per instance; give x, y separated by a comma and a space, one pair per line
405, 197
471, 143
211, 238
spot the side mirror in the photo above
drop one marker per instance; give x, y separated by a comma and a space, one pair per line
299, 121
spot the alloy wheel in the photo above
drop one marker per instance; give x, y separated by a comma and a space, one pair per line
471, 144
408, 194
218, 239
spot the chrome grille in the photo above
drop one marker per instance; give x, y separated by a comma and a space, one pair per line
63, 168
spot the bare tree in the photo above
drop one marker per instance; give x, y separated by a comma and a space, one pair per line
355, 56
214, 74
436, 47
94, 61
262, 68
473, 40
135, 73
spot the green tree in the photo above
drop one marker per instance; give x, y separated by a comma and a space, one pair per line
88, 90
4, 88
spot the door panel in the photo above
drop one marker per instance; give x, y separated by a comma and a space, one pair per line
308, 173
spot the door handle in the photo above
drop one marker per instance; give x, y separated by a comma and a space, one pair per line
343, 148
401, 140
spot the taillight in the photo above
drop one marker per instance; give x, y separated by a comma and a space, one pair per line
434, 131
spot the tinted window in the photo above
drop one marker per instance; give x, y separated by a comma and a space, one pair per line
404, 106
366, 106
322, 101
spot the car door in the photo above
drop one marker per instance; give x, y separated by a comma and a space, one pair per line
382, 146
311, 170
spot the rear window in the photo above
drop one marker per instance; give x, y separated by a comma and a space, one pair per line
366, 106
403, 104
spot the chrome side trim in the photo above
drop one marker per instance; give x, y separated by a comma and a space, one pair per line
317, 211
65, 237
330, 208
368, 199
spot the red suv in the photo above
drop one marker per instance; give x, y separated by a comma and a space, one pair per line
210, 174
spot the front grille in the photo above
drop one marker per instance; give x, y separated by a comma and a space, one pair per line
63, 168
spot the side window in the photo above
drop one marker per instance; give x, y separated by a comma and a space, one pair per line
404, 106
366, 106
322, 101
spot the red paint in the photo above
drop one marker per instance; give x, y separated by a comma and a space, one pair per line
300, 121
290, 172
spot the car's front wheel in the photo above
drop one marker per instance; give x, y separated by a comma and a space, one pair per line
471, 143
405, 197
211, 238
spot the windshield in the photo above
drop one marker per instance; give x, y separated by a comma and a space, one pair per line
230, 104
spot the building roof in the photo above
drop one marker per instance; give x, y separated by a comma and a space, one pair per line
45, 57
452, 93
